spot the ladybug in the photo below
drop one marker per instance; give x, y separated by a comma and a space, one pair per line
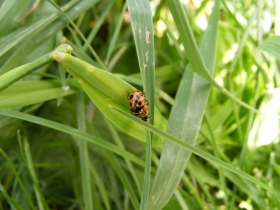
138, 105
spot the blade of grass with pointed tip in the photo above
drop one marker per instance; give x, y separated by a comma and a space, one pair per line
185, 120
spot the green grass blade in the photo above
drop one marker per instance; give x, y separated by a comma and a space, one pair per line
84, 156
124, 179
142, 26
107, 90
17, 45
202, 154
97, 25
14, 75
184, 29
11, 77
195, 59
141, 21
20, 182
80, 33
9, 199
119, 142
116, 33
184, 121
100, 184
42, 204
74, 132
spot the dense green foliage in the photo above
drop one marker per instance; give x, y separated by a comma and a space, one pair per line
68, 141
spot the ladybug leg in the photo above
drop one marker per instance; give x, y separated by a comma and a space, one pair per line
128, 94
147, 102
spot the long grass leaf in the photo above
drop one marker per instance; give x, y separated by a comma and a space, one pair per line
193, 55
142, 26
19, 180
185, 120
116, 33
42, 204
74, 132
202, 154
84, 156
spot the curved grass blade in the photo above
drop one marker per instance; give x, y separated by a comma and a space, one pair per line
194, 57
104, 88
185, 120
107, 90
202, 154
74, 132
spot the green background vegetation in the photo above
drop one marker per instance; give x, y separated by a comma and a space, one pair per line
209, 69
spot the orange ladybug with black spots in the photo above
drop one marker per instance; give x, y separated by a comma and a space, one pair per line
138, 105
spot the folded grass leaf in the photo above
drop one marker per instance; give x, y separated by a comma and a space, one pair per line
106, 91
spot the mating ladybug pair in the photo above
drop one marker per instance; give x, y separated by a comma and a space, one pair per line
138, 105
